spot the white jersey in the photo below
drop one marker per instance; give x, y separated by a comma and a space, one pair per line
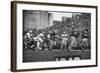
64, 35
28, 35
48, 35
38, 38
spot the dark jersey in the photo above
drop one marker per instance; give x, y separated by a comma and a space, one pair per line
85, 35
75, 34
53, 34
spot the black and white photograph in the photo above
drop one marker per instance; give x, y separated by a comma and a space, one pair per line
48, 36
56, 36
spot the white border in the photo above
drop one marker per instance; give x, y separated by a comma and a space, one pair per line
21, 65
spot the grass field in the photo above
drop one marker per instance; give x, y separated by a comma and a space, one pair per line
38, 56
